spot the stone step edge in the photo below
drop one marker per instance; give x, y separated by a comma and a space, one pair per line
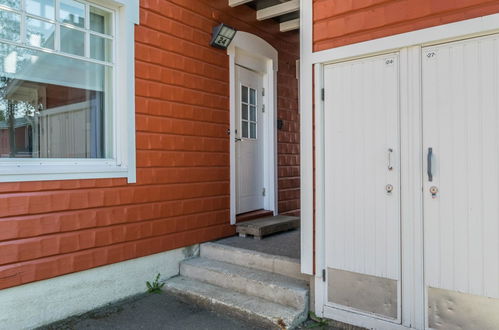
254, 259
266, 285
187, 290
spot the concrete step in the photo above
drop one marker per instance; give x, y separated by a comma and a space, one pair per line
253, 259
267, 226
262, 313
253, 282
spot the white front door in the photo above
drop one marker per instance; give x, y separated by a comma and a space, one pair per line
249, 141
461, 183
362, 187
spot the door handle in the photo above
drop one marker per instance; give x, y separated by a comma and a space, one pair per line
237, 139
390, 151
428, 164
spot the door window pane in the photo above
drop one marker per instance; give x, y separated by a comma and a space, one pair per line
244, 112
101, 48
253, 113
100, 21
253, 130
16, 4
43, 8
10, 25
245, 129
72, 12
40, 33
252, 96
72, 41
53, 106
244, 94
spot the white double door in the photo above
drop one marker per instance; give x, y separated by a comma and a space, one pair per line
249, 141
460, 186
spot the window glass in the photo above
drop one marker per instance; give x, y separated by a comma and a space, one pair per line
253, 130
43, 8
252, 96
16, 4
248, 113
100, 21
10, 25
72, 12
253, 113
72, 41
101, 48
245, 129
244, 94
244, 112
40, 33
53, 106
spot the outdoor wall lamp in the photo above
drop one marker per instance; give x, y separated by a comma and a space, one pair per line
222, 36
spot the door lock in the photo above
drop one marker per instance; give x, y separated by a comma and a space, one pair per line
434, 191
389, 188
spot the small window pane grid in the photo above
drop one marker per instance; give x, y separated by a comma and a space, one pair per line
248, 112
67, 27
56, 80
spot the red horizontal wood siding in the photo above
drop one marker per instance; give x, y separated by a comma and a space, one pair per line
338, 23
181, 196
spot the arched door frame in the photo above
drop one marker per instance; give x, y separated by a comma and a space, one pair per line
252, 52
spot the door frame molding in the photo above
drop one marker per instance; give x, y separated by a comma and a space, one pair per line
254, 53
409, 45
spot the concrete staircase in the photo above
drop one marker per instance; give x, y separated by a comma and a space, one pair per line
265, 289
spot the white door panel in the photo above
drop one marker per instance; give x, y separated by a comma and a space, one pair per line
461, 221
249, 141
361, 159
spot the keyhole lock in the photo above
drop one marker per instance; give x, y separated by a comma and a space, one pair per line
389, 188
434, 191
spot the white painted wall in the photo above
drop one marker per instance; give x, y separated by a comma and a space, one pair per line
39, 303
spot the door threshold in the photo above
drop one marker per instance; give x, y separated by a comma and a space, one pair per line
253, 215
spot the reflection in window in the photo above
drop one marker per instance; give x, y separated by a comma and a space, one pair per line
42, 8
53, 106
16, 4
72, 12
10, 25
40, 33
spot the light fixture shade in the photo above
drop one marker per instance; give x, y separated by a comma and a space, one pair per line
222, 36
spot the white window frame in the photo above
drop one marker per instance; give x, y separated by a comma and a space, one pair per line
123, 164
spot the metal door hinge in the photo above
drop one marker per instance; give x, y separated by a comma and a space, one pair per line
263, 91
323, 94
323, 275
263, 107
263, 192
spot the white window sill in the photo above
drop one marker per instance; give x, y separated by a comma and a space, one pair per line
44, 170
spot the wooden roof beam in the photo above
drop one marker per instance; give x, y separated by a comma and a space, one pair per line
291, 25
278, 10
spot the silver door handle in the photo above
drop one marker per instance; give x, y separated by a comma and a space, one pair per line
390, 151
428, 164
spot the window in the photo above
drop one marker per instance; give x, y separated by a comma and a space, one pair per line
248, 112
58, 77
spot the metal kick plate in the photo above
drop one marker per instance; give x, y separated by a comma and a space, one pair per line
363, 292
454, 310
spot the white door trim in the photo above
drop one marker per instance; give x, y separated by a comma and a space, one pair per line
409, 44
254, 53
